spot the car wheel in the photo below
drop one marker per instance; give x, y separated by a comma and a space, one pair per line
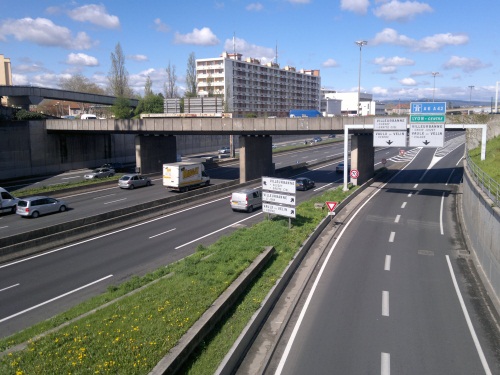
207, 183
62, 208
250, 209
13, 210
148, 183
132, 186
35, 214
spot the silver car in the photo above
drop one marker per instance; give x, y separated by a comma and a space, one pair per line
99, 173
36, 206
131, 181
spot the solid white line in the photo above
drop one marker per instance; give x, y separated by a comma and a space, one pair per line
53, 299
467, 319
403, 205
385, 364
396, 220
118, 200
218, 230
391, 237
415, 186
9, 287
449, 178
441, 214
159, 234
387, 264
385, 303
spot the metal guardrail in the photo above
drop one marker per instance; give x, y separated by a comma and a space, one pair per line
487, 184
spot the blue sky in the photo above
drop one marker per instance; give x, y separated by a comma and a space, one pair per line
407, 41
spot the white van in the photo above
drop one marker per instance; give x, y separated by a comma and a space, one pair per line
8, 203
88, 117
246, 199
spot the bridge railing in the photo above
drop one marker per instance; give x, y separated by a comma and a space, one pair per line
487, 184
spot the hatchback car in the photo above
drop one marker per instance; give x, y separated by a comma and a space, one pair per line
340, 167
99, 173
131, 181
40, 205
224, 150
304, 183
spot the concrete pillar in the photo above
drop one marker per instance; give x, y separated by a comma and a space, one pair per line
362, 157
151, 152
256, 157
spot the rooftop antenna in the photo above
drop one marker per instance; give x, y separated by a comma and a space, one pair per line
276, 57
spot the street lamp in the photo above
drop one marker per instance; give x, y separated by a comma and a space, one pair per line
434, 74
470, 95
360, 43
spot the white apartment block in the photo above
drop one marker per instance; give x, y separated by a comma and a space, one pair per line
251, 88
349, 106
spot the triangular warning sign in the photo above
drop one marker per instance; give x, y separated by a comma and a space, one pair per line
331, 205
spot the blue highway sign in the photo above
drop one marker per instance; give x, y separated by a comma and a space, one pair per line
428, 107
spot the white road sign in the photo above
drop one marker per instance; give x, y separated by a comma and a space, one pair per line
390, 123
426, 135
278, 210
278, 198
389, 138
278, 184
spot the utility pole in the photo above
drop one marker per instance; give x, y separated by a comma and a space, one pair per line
360, 43
434, 74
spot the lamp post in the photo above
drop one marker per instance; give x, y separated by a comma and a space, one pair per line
360, 43
434, 74
470, 95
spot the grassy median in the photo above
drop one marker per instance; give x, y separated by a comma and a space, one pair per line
132, 334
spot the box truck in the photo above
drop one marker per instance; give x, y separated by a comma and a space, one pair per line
183, 176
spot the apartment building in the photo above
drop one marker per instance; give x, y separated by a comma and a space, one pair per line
5, 75
251, 88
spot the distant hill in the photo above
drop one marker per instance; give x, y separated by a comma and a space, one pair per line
449, 103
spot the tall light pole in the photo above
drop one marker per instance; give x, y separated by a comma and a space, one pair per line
434, 74
360, 43
496, 99
470, 95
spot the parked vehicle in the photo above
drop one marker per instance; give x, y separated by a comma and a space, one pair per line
40, 205
183, 176
340, 167
99, 173
8, 203
304, 183
224, 150
131, 181
246, 199
88, 117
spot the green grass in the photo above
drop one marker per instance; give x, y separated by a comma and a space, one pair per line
133, 334
491, 164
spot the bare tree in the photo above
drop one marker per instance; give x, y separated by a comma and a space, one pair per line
147, 87
80, 83
191, 76
171, 83
118, 75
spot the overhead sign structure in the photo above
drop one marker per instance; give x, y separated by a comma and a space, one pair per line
278, 198
389, 138
278, 210
279, 184
426, 135
389, 123
428, 118
428, 107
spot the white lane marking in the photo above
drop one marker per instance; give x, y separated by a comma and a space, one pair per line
415, 186
396, 220
441, 214
104, 196
118, 200
54, 299
109, 234
391, 237
159, 234
449, 178
467, 319
89, 192
4, 227
218, 230
409, 195
9, 287
403, 205
69, 178
387, 264
385, 303
385, 364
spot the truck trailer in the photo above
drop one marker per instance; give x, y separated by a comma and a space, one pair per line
183, 176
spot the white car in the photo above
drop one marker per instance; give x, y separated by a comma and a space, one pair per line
99, 173
224, 150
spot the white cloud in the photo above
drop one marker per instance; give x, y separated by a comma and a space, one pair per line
388, 69
264, 54
43, 31
330, 63
160, 26
20, 79
394, 61
138, 57
95, 14
408, 82
380, 91
256, 7
401, 11
466, 64
81, 59
199, 37
356, 6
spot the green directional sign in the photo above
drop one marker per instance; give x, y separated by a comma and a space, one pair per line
428, 118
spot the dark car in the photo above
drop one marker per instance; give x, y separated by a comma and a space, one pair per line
118, 167
304, 183
340, 167
317, 139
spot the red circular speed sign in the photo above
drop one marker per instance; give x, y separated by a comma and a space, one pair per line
354, 173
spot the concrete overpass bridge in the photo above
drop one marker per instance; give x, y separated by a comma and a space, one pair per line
24, 96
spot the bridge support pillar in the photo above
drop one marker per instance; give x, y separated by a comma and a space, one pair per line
256, 157
362, 157
151, 152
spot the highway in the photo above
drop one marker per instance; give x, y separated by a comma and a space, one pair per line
393, 294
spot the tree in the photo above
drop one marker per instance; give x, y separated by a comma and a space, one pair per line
80, 83
147, 87
150, 104
226, 99
191, 76
118, 75
121, 108
171, 83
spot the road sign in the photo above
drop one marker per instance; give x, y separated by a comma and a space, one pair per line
389, 138
278, 184
278, 210
428, 107
426, 135
354, 173
389, 123
428, 118
402, 152
278, 198
331, 205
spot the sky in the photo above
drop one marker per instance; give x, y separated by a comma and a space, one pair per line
407, 41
